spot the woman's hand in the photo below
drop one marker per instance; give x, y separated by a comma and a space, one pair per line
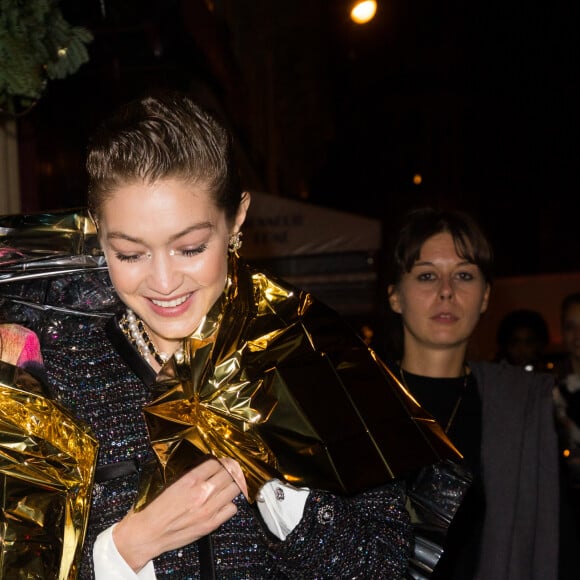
192, 507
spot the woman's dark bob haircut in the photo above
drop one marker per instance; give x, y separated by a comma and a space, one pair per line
421, 224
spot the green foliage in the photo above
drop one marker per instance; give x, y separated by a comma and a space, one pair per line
36, 45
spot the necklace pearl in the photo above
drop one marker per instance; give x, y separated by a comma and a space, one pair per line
134, 329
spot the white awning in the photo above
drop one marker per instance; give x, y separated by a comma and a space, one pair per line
278, 226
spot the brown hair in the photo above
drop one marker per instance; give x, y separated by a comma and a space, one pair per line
161, 136
421, 224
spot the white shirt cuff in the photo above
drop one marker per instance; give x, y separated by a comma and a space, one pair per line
109, 564
281, 506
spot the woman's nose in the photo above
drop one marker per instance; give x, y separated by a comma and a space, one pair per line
164, 276
445, 290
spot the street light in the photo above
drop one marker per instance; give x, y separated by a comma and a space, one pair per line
363, 12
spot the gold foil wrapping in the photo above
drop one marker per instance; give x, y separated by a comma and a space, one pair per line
47, 462
271, 377
47, 458
276, 380
68, 232
48, 244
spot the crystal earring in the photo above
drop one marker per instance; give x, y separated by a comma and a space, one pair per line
235, 242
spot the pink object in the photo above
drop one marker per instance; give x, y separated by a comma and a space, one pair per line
19, 345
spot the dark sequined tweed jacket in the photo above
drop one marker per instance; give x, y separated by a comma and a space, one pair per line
96, 373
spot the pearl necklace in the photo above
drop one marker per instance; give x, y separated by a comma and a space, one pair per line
134, 329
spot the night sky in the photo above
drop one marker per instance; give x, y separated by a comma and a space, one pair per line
480, 99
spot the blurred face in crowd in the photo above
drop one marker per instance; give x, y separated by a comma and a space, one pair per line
442, 297
571, 330
166, 245
524, 347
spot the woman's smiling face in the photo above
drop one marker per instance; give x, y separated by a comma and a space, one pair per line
166, 246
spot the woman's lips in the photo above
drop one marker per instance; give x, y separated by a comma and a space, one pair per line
173, 307
170, 303
444, 317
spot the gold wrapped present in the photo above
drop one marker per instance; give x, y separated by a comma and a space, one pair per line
276, 380
272, 378
47, 463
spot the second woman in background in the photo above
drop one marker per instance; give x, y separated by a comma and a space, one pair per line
500, 417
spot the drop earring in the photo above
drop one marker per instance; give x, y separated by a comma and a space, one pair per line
235, 242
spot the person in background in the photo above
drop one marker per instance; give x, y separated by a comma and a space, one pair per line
499, 416
164, 196
567, 398
522, 339
568, 373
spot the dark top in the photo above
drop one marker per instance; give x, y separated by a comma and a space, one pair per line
440, 397
511, 412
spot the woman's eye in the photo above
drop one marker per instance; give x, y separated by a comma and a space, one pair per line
188, 252
127, 257
425, 276
467, 276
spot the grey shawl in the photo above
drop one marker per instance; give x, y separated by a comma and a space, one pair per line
520, 473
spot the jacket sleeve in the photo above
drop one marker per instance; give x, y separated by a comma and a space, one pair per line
367, 535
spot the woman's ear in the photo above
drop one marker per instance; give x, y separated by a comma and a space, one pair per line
394, 301
242, 210
485, 301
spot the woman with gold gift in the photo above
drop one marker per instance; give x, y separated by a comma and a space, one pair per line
245, 431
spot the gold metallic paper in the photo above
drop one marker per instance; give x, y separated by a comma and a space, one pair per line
68, 232
48, 244
275, 380
47, 462
271, 377
52, 270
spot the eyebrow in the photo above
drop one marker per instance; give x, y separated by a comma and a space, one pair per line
193, 228
429, 263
